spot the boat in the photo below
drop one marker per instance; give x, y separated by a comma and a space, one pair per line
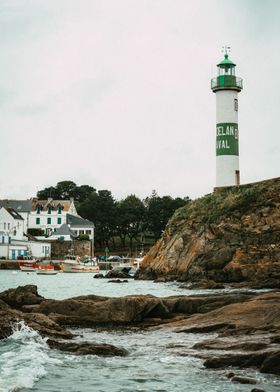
74, 264
128, 266
46, 270
27, 265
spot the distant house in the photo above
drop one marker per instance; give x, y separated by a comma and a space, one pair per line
22, 207
80, 225
49, 215
13, 242
64, 233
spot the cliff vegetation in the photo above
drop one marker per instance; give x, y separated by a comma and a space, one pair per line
229, 236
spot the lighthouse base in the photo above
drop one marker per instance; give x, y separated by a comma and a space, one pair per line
227, 170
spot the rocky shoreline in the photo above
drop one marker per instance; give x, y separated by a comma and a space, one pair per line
246, 325
231, 236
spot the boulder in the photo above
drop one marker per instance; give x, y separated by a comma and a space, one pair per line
88, 348
22, 295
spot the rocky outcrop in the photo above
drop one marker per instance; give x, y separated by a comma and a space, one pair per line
88, 348
247, 334
229, 236
248, 325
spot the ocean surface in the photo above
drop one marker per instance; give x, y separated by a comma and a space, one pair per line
157, 360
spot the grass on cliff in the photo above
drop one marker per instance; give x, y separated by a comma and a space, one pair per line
223, 203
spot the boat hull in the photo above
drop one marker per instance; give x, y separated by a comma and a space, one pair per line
26, 266
46, 270
76, 268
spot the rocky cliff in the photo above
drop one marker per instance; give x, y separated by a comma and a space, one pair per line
229, 236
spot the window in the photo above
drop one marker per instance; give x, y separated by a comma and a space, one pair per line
88, 232
3, 240
37, 221
237, 177
82, 232
59, 221
49, 209
59, 209
4, 225
8, 226
236, 105
38, 210
49, 221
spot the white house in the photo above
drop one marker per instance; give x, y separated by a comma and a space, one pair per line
22, 207
49, 215
13, 242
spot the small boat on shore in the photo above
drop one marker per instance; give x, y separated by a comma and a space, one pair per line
46, 270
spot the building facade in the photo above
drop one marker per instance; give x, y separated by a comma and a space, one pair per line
14, 243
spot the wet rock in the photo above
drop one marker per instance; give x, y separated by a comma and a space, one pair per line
271, 364
98, 276
88, 348
218, 344
257, 390
244, 380
117, 274
22, 295
207, 284
118, 281
230, 375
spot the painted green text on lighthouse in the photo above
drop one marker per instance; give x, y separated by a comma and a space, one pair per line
227, 139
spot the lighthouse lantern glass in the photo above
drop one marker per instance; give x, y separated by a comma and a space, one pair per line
226, 70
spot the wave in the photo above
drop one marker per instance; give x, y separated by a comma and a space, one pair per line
24, 357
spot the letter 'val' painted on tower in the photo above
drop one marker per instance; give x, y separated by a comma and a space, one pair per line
227, 139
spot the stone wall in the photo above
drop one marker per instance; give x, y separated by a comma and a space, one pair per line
63, 248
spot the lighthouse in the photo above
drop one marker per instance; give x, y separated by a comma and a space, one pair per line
226, 86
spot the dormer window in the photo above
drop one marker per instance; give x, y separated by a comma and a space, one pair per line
59, 209
49, 209
38, 209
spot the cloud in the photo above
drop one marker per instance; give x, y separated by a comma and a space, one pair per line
117, 94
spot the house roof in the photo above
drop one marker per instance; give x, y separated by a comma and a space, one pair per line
18, 205
64, 204
64, 230
77, 221
13, 212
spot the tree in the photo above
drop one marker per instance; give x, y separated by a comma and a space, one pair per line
131, 215
66, 189
100, 208
159, 211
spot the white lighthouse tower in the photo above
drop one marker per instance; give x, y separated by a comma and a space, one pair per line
227, 86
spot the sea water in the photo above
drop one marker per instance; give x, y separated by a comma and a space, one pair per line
158, 360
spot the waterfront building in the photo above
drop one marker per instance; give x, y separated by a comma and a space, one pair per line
226, 86
14, 243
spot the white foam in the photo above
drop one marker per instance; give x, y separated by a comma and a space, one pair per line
23, 358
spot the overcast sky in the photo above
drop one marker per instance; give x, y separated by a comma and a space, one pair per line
116, 93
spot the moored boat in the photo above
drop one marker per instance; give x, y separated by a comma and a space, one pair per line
73, 264
46, 270
28, 266
129, 265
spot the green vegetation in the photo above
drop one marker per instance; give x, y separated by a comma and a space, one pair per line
222, 203
118, 222
35, 232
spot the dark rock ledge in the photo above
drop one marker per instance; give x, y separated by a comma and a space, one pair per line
247, 324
